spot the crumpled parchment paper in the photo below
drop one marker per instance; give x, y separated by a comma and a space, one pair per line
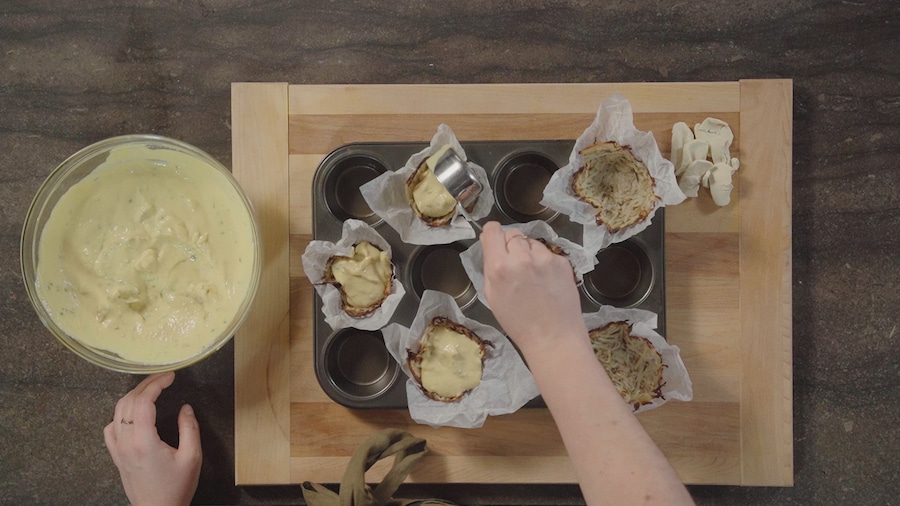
506, 383
315, 258
677, 383
386, 196
614, 122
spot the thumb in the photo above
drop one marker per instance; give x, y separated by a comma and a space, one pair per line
189, 433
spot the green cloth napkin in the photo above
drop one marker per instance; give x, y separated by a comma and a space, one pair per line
354, 491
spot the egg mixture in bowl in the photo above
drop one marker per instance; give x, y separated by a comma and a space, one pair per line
141, 254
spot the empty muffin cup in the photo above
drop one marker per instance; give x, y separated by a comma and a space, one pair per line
358, 365
519, 186
439, 268
342, 184
622, 277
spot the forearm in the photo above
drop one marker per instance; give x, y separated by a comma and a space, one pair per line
614, 458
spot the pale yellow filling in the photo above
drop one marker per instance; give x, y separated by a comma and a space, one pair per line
365, 277
451, 363
431, 197
149, 260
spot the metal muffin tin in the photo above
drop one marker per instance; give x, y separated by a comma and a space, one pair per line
353, 366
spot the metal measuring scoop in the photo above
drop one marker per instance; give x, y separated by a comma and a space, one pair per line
459, 180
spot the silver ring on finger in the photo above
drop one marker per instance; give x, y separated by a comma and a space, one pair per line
516, 237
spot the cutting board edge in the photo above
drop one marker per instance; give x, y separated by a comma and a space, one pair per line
766, 304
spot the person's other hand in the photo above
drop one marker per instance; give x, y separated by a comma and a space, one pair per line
153, 472
531, 291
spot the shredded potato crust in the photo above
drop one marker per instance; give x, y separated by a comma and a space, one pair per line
615, 182
633, 364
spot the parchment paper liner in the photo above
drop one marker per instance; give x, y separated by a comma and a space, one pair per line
677, 384
315, 258
386, 196
473, 258
506, 383
614, 122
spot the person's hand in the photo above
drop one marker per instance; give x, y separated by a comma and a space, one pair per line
531, 291
152, 471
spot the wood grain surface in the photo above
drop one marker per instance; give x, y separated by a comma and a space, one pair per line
727, 285
260, 163
766, 418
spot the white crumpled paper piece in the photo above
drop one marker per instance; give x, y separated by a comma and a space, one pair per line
315, 258
506, 383
386, 196
473, 258
677, 383
614, 122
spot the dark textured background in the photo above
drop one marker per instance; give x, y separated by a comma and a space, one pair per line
75, 72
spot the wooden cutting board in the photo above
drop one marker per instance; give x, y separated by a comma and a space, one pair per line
728, 281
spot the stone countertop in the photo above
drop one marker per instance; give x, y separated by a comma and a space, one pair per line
73, 73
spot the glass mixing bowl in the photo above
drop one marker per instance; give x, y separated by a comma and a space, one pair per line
78, 167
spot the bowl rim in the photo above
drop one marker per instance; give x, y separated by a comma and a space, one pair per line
31, 233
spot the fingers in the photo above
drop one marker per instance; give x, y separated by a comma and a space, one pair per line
109, 437
497, 243
135, 413
513, 238
516, 241
123, 407
143, 415
493, 241
145, 396
188, 434
154, 384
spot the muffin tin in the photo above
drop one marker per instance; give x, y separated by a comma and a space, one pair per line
353, 366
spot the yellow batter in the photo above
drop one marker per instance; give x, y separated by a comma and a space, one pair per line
365, 278
430, 196
451, 363
149, 260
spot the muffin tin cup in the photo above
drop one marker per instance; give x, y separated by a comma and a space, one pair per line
357, 365
623, 275
631, 275
341, 186
519, 181
439, 268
